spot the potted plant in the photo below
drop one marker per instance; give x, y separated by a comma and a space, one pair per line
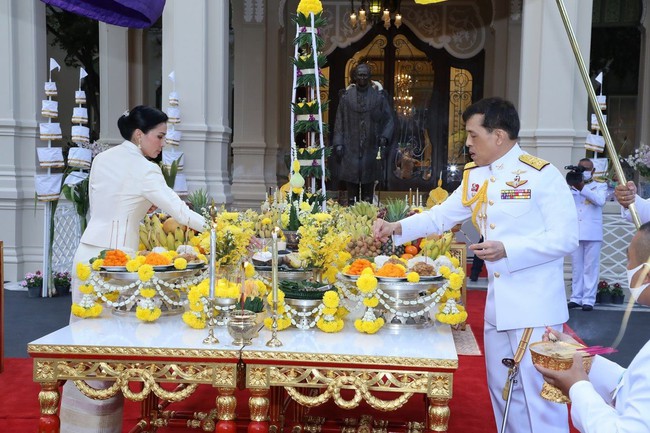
34, 284
62, 282
617, 294
604, 295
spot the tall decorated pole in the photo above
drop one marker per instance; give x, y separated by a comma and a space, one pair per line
307, 113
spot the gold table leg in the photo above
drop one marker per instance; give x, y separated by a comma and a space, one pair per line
226, 404
48, 399
438, 414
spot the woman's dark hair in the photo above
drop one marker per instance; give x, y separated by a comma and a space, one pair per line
142, 117
498, 114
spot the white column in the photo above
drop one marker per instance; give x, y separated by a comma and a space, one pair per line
195, 45
23, 46
643, 98
251, 103
552, 99
114, 82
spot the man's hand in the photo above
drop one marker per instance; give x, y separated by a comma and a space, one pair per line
490, 251
564, 379
338, 152
382, 230
625, 194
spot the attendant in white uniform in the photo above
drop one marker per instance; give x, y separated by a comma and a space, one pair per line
612, 399
626, 195
589, 196
124, 184
524, 210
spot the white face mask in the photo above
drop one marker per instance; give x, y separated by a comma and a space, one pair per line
586, 175
635, 291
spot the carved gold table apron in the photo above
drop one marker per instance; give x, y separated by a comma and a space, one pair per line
123, 350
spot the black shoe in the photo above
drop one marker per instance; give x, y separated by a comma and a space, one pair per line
473, 278
573, 305
587, 307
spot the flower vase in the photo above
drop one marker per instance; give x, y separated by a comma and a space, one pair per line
242, 327
34, 291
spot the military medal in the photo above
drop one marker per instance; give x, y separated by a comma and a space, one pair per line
518, 181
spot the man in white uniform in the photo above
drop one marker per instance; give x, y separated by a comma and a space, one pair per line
589, 196
522, 207
611, 398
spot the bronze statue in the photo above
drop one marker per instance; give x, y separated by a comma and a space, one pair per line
364, 126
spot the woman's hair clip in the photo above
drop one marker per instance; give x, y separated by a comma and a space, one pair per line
126, 113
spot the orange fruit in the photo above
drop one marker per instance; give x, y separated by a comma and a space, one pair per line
411, 249
406, 256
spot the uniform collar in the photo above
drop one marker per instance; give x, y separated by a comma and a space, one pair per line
507, 160
132, 147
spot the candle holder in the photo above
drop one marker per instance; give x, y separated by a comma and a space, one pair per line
274, 341
211, 338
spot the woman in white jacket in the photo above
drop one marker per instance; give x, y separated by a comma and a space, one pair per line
124, 184
612, 399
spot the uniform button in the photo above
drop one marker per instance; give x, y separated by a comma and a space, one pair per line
492, 226
497, 275
493, 179
491, 202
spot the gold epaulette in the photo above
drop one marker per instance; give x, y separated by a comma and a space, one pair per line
533, 161
470, 165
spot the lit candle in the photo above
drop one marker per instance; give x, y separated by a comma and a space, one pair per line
213, 246
362, 15
274, 266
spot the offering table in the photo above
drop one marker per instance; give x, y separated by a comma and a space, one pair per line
123, 350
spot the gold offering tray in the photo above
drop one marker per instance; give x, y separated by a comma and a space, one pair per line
129, 277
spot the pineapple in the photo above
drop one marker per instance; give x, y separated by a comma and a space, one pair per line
396, 210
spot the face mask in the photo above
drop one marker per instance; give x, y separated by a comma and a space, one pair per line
586, 175
635, 291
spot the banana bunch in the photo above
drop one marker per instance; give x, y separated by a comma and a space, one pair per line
357, 225
364, 209
436, 247
153, 235
264, 225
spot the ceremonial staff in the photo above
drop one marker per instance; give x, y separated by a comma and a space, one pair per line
594, 104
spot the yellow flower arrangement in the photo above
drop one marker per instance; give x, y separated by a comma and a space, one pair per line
234, 232
180, 263
329, 322
413, 277
145, 272
305, 7
321, 243
451, 313
97, 264
84, 312
371, 302
83, 271
227, 289
148, 293
369, 326
195, 319
87, 289
147, 315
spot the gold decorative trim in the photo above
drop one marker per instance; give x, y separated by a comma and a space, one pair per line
440, 385
375, 361
39, 351
217, 375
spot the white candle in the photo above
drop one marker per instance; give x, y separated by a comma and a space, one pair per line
274, 266
417, 197
213, 246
